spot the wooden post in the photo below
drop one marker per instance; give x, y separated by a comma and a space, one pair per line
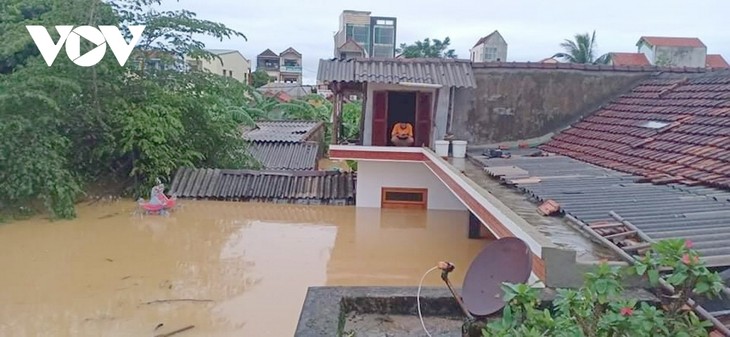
336, 113
362, 112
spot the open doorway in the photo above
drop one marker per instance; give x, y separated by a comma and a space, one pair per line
401, 109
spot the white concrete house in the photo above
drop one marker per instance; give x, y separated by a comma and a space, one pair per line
674, 51
491, 48
231, 64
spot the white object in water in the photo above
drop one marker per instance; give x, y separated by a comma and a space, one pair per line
442, 148
459, 148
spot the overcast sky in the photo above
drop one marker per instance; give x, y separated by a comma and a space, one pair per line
533, 29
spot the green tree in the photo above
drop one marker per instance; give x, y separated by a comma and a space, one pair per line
351, 114
259, 78
428, 48
65, 127
582, 50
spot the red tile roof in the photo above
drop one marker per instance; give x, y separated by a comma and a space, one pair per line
666, 127
716, 61
629, 59
664, 41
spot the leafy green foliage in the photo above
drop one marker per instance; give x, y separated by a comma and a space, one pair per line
351, 114
259, 78
598, 310
428, 48
582, 50
65, 125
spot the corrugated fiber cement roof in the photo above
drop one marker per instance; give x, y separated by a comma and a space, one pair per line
446, 72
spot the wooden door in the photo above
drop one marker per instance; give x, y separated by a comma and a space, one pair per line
380, 118
424, 102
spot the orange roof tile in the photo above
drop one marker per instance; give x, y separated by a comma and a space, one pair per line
716, 61
665, 41
629, 59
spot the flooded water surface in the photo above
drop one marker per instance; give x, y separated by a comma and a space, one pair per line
229, 269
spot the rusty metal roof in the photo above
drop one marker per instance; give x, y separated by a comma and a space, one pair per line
303, 187
285, 155
281, 131
446, 72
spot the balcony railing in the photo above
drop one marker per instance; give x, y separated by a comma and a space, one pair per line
291, 69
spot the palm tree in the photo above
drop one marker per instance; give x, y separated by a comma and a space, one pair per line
582, 50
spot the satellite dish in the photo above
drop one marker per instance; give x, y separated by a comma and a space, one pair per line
505, 260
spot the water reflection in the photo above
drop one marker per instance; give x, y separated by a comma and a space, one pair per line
240, 269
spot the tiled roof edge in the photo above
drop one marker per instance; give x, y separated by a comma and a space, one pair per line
587, 67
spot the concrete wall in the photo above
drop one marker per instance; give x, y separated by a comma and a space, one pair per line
373, 175
234, 62
681, 57
648, 51
512, 104
439, 120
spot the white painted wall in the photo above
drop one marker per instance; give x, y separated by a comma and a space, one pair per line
648, 51
373, 175
479, 52
230, 62
439, 118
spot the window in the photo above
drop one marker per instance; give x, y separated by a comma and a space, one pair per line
290, 63
490, 53
393, 197
383, 51
383, 35
359, 33
384, 22
230, 73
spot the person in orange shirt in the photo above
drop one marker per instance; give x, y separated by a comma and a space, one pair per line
402, 134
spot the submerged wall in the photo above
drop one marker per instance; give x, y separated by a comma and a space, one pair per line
374, 175
512, 103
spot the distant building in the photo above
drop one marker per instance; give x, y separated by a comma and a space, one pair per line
285, 67
290, 69
231, 64
674, 51
292, 90
491, 48
629, 59
374, 35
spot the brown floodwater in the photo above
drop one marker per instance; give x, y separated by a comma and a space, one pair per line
229, 269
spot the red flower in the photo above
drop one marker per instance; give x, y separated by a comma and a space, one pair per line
688, 244
687, 260
627, 311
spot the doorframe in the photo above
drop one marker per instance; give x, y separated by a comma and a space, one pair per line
434, 101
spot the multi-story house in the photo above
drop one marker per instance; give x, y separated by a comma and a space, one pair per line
285, 67
290, 69
230, 63
491, 48
363, 35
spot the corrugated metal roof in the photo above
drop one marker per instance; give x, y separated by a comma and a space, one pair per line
281, 131
447, 72
309, 187
589, 193
285, 155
